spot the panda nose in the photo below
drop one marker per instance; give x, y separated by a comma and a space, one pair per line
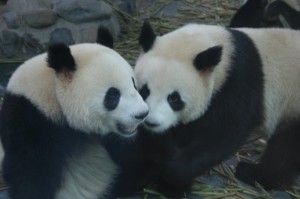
142, 115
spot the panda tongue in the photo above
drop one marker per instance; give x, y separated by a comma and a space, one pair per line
131, 129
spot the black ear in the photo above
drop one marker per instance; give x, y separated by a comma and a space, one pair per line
104, 37
209, 58
147, 37
60, 57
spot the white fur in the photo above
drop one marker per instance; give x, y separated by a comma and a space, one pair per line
168, 67
88, 175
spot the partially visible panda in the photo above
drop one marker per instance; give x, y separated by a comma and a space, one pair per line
57, 107
289, 9
252, 14
264, 13
207, 88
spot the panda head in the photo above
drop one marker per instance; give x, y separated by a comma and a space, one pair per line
178, 73
89, 86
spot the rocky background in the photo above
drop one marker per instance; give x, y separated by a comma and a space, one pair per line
27, 26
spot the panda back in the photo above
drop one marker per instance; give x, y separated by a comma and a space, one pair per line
279, 50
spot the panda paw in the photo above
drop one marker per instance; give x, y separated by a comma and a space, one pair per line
269, 179
246, 172
171, 191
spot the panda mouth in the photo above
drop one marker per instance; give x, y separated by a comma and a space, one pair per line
151, 124
127, 130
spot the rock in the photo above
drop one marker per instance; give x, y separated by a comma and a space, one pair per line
172, 8
45, 21
195, 197
32, 43
9, 43
127, 6
214, 181
40, 18
20, 6
297, 181
61, 35
12, 20
4, 195
281, 195
78, 11
2, 90
132, 197
88, 34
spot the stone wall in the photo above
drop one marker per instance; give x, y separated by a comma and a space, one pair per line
27, 26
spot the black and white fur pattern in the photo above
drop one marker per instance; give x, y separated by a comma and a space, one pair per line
208, 88
264, 13
57, 107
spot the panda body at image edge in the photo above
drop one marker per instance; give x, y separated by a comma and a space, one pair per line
264, 13
208, 88
57, 107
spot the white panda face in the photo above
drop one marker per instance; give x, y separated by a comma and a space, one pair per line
100, 94
178, 73
174, 92
89, 86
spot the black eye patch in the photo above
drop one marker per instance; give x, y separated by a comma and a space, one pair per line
144, 92
112, 98
175, 101
134, 83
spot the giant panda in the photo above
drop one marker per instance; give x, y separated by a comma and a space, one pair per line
208, 87
264, 13
57, 107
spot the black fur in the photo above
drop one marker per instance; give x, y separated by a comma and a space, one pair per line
253, 15
147, 37
112, 98
281, 8
144, 91
104, 37
186, 151
280, 163
258, 13
134, 84
35, 149
175, 101
206, 60
60, 58
136, 170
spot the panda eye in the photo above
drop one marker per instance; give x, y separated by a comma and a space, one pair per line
112, 98
144, 91
175, 101
134, 83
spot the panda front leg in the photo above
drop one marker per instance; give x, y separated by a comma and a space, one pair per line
28, 182
280, 164
184, 164
176, 180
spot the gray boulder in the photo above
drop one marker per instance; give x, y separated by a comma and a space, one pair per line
40, 18
78, 11
9, 43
